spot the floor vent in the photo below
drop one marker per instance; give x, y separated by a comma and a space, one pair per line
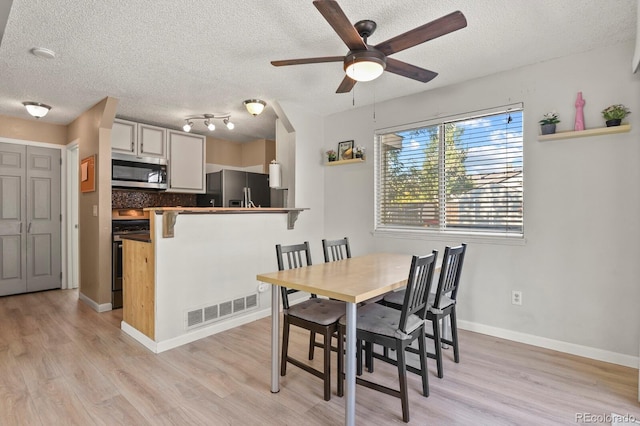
219, 311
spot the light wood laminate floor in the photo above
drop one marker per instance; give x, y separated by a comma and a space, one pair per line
61, 363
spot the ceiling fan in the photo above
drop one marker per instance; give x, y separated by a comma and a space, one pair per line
364, 62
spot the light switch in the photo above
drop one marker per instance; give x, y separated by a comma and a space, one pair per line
95, 210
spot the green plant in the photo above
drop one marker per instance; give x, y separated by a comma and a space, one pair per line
615, 112
331, 154
550, 118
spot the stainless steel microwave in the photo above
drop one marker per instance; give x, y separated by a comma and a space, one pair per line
128, 171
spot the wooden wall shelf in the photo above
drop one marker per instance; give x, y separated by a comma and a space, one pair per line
343, 162
583, 133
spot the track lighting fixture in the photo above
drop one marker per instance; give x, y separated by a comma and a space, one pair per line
254, 106
208, 121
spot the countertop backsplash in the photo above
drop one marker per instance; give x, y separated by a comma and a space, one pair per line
132, 199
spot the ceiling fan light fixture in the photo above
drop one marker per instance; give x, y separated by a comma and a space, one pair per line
36, 109
364, 65
254, 106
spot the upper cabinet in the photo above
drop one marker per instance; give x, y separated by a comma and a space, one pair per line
186, 164
142, 140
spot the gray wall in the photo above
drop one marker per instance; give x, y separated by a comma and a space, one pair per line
579, 265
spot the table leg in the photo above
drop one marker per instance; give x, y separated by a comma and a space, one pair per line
350, 373
275, 340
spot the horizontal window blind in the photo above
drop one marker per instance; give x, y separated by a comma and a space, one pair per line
455, 175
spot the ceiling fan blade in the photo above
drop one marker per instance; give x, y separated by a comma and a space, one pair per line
411, 71
338, 20
434, 29
307, 61
346, 85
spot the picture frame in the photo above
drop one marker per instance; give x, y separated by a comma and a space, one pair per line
88, 174
345, 150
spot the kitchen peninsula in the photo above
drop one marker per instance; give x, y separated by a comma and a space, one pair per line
194, 274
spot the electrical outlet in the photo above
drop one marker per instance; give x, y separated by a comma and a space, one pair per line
516, 297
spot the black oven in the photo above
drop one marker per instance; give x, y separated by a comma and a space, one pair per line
119, 228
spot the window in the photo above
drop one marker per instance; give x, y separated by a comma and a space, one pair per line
458, 175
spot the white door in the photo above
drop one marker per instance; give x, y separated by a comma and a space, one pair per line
73, 188
30, 220
13, 250
44, 219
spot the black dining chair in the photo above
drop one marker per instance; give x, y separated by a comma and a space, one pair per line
315, 314
333, 250
442, 303
336, 249
396, 329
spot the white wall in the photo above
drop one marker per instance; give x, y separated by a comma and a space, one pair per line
579, 266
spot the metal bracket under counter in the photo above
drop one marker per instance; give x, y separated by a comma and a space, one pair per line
170, 215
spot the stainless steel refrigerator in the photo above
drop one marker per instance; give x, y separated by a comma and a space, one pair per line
226, 188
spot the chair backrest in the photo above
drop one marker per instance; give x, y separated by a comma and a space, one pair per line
450, 272
296, 256
418, 287
336, 249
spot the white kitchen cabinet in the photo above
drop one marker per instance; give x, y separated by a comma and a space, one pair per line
152, 141
141, 140
186, 164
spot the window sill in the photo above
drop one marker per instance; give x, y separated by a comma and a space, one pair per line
582, 133
468, 237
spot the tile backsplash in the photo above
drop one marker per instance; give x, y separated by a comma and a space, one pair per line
131, 199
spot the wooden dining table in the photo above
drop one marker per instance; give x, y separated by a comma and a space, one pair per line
351, 280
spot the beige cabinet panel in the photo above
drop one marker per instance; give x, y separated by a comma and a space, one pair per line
186, 166
141, 140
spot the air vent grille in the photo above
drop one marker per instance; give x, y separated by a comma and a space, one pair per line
198, 317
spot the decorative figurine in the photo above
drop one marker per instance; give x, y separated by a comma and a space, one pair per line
579, 113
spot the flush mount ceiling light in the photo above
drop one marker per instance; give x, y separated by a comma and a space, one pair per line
43, 52
36, 109
254, 106
365, 65
208, 121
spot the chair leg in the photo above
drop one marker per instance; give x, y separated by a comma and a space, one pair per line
340, 367
437, 344
454, 335
312, 344
285, 346
422, 345
327, 364
402, 379
359, 357
368, 361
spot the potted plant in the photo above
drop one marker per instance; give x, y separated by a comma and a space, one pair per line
548, 123
613, 114
331, 155
359, 151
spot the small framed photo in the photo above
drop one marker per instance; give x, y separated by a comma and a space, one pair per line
345, 150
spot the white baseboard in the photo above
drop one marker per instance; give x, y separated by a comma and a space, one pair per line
195, 334
556, 345
96, 307
141, 338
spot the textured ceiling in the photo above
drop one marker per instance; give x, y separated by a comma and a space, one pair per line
165, 60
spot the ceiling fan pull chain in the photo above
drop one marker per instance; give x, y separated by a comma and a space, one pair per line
374, 102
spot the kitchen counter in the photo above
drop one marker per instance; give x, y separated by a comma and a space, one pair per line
202, 280
170, 214
145, 238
